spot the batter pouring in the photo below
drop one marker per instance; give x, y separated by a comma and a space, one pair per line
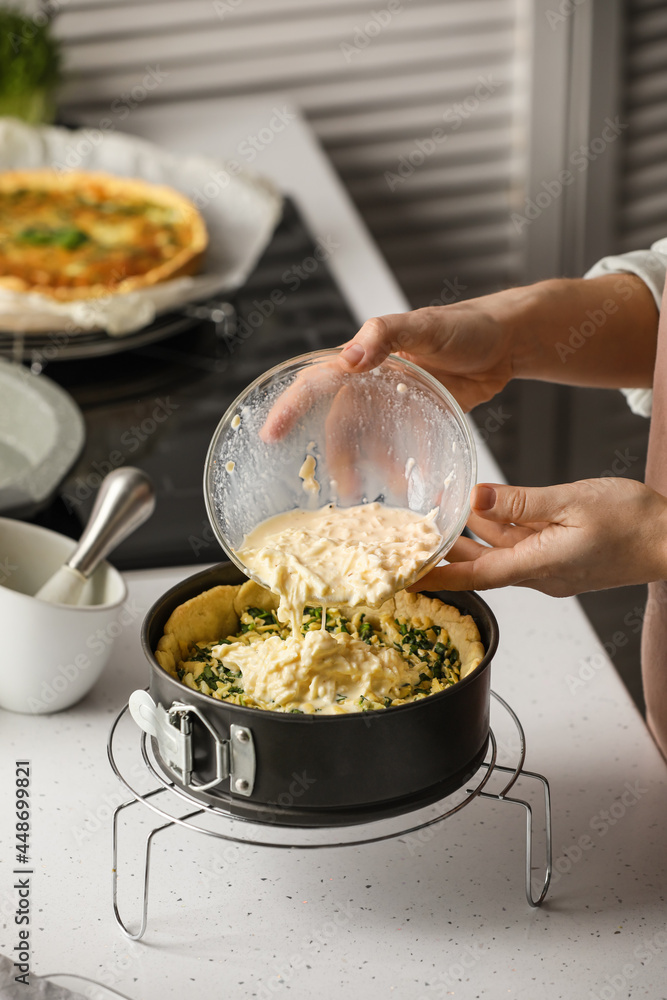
339, 555
349, 658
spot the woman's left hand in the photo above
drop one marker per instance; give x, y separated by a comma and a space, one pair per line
562, 540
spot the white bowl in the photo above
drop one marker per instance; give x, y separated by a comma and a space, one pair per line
51, 655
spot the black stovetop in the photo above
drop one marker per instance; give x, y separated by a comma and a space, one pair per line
157, 406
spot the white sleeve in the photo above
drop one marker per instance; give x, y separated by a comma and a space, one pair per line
651, 267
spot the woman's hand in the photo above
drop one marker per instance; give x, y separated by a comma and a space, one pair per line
466, 346
475, 347
562, 540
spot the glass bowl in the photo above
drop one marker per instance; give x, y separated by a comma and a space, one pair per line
393, 435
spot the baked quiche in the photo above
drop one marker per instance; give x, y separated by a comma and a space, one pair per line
229, 644
84, 235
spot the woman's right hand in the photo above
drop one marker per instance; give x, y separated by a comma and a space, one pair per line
466, 346
475, 347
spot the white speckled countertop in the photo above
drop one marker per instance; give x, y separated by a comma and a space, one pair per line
441, 915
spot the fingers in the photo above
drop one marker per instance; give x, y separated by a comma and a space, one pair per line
376, 339
465, 549
382, 335
502, 567
313, 383
502, 535
441, 579
342, 447
520, 504
502, 516
455, 576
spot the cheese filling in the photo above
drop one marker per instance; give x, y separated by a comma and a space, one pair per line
315, 561
318, 671
334, 665
350, 556
339, 555
307, 474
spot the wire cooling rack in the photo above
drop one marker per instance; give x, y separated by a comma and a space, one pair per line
174, 805
40, 349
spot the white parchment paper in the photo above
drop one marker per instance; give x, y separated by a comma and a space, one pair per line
240, 210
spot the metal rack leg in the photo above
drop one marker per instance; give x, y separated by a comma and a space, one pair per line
147, 859
135, 936
533, 901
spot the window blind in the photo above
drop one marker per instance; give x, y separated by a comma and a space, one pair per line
642, 216
415, 102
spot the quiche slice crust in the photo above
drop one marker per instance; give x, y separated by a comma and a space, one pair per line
81, 235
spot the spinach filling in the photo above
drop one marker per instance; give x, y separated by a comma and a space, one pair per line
428, 648
67, 237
